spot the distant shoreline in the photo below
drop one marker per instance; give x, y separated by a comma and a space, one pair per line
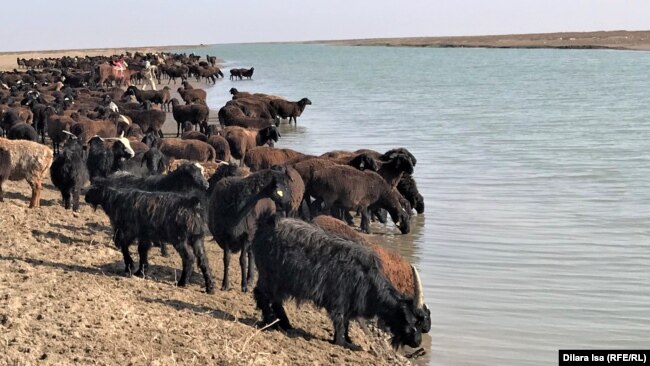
613, 40
8, 59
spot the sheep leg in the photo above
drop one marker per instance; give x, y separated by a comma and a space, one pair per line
66, 199
365, 220
243, 263
226, 263
75, 199
2, 195
36, 194
163, 249
187, 257
204, 265
251, 266
341, 326
263, 303
121, 243
278, 309
143, 252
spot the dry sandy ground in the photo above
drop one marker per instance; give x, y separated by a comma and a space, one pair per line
64, 300
639, 40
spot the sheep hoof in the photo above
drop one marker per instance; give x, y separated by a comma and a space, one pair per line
349, 345
244, 289
209, 290
225, 287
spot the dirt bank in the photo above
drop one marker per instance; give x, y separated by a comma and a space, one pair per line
624, 40
64, 301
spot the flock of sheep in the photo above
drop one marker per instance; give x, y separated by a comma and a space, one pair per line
288, 214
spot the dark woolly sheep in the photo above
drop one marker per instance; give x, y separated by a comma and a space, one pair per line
22, 131
290, 110
155, 217
188, 177
299, 260
242, 139
221, 147
41, 115
263, 157
235, 203
400, 273
102, 161
197, 114
297, 189
69, 173
350, 189
409, 189
225, 171
154, 96
58, 129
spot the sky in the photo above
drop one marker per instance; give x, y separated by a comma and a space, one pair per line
69, 24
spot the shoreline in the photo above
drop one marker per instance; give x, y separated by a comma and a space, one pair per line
610, 40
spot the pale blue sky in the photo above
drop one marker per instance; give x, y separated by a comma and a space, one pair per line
116, 23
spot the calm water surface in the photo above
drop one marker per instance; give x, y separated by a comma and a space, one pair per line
535, 168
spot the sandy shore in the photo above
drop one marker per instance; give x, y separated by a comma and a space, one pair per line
622, 40
64, 301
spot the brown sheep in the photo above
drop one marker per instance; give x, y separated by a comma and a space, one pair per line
242, 139
85, 129
253, 107
209, 167
193, 95
231, 115
399, 272
345, 187
55, 127
194, 135
25, 160
263, 157
290, 110
193, 150
221, 147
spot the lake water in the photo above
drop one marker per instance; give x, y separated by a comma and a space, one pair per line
535, 168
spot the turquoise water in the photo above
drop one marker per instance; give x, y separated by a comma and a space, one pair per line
535, 168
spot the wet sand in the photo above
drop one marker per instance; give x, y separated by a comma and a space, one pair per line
622, 40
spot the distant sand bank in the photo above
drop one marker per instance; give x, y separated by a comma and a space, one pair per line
8, 59
621, 40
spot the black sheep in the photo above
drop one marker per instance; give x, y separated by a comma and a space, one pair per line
409, 189
22, 131
188, 177
155, 217
101, 161
154, 96
234, 205
196, 114
69, 173
301, 261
